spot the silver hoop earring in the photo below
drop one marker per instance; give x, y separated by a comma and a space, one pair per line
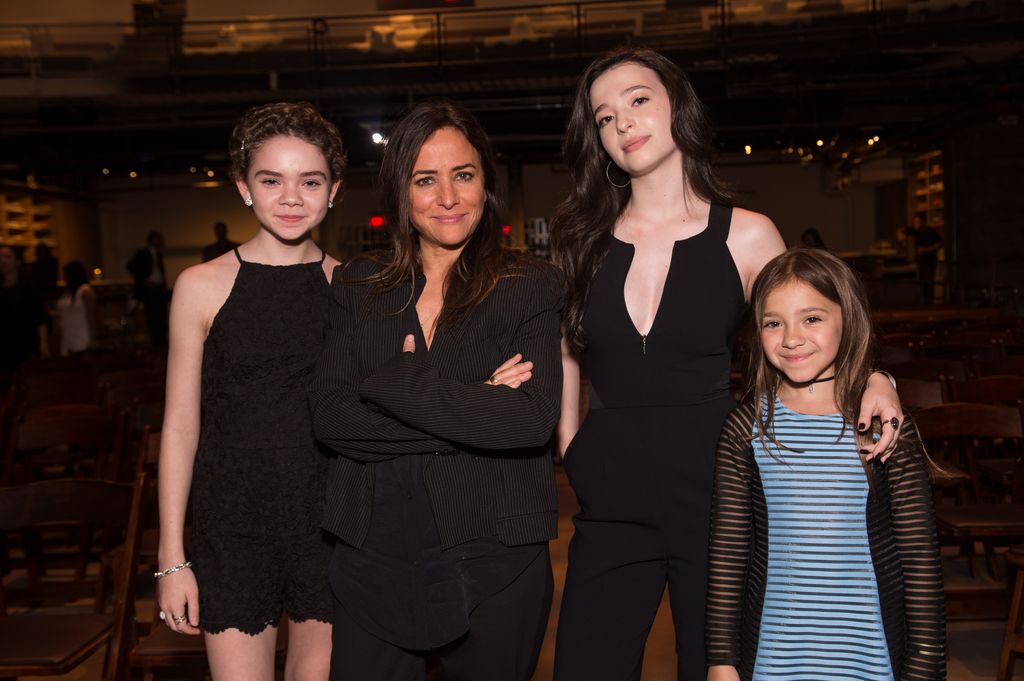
607, 174
248, 201
330, 203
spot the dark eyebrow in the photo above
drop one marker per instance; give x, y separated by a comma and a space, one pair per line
772, 313
310, 173
455, 169
628, 90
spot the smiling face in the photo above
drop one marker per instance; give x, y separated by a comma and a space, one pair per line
633, 113
446, 191
288, 180
801, 331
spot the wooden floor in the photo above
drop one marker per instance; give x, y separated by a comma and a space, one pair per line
974, 646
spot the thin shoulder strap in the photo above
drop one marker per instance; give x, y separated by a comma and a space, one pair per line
719, 220
238, 255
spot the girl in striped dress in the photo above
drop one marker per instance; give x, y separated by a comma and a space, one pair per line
823, 564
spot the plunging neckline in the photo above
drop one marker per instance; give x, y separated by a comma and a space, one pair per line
664, 285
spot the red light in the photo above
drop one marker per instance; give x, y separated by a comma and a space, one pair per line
507, 229
376, 221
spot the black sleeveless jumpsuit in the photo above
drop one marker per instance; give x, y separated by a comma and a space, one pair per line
642, 463
258, 480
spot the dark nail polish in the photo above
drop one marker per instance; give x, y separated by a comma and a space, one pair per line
861, 426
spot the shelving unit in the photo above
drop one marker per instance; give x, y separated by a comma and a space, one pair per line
25, 221
928, 189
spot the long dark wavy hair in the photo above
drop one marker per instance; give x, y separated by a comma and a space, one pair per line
483, 260
832, 278
582, 224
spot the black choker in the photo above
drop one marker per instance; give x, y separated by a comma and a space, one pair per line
810, 386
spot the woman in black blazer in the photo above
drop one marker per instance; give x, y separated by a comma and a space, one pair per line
439, 389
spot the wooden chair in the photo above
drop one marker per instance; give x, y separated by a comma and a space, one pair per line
1012, 365
962, 433
126, 396
916, 394
1013, 639
106, 361
162, 649
903, 346
64, 440
56, 394
985, 522
990, 390
33, 644
930, 369
133, 377
964, 351
59, 379
997, 338
967, 434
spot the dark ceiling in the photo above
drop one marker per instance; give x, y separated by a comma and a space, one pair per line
907, 78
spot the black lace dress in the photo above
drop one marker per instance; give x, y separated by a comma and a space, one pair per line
257, 487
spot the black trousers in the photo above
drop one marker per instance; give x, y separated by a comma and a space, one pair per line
643, 478
503, 642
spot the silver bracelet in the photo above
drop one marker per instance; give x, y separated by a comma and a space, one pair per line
172, 570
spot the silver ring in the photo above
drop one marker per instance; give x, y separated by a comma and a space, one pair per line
163, 617
178, 620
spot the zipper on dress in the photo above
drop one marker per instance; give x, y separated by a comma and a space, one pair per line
643, 345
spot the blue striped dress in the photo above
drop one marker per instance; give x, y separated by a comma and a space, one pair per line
821, 617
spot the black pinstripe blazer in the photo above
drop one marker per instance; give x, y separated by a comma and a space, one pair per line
901, 534
491, 473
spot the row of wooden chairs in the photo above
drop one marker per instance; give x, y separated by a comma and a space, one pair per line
146, 647
56, 642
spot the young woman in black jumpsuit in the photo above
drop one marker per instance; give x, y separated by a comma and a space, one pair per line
658, 267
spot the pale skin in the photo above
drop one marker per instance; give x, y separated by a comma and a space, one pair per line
447, 197
289, 183
632, 112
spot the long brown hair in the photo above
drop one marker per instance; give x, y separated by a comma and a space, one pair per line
832, 278
582, 225
482, 261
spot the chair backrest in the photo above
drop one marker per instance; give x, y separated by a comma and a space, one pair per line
58, 394
964, 351
962, 419
979, 337
963, 433
917, 394
84, 430
123, 635
95, 504
990, 390
1010, 365
126, 395
133, 377
84, 435
60, 379
929, 369
68, 501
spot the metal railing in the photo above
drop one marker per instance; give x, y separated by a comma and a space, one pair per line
450, 36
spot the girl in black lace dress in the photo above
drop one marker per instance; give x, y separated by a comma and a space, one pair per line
246, 329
